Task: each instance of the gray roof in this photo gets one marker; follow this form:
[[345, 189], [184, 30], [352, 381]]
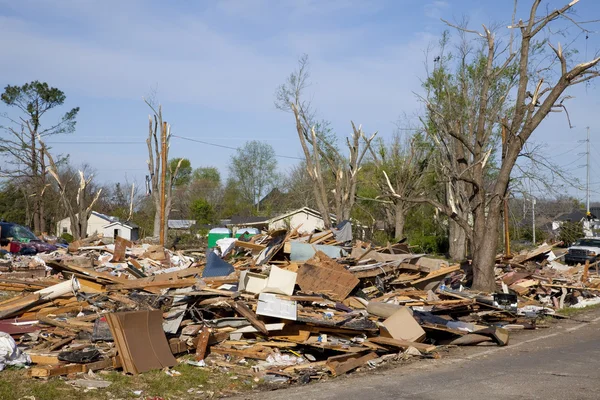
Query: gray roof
[[181, 223]]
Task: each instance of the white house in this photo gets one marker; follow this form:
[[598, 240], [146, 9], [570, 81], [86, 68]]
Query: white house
[[305, 219], [126, 230], [96, 224]]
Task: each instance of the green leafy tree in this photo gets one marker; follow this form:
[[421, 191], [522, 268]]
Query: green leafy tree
[[203, 212], [254, 168], [21, 146], [182, 169]]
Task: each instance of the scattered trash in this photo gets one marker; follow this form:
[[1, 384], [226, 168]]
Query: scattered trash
[[283, 307]]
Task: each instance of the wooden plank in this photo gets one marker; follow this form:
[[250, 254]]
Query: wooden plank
[[112, 362], [17, 304], [72, 327], [245, 312], [121, 245], [249, 245], [202, 343], [437, 274], [256, 352], [145, 283], [88, 286], [402, 344], [50, 371], [339, 365], [44, 359], [178, 346]]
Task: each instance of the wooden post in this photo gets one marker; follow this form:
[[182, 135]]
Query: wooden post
[[507, 254], [506, 232], [163, 178]]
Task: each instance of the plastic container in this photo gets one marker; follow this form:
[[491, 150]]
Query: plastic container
[[216, 234], [249, 232]]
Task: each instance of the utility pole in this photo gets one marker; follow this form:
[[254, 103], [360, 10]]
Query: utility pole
[[533, 217], [163, 178], [587, 180]]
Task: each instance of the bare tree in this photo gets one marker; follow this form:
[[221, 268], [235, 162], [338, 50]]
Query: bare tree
[[80, 212], [405, 162], [320, 153], [158, 150], [467, 114]]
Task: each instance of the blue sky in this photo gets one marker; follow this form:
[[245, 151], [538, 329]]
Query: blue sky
[[216, 64]]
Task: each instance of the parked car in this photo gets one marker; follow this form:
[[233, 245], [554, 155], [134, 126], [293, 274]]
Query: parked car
[[587, 249], [22, 240]]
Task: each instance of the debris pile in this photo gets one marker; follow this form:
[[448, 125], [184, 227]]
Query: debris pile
[[281, 307]]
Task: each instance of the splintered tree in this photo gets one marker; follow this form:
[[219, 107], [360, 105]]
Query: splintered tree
[[80, 211], [320, 153], [405, 162], [25, 157], [488, 90], [162, 174]]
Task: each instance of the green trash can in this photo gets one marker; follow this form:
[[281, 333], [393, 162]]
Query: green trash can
[[216, 234], [249, 232]]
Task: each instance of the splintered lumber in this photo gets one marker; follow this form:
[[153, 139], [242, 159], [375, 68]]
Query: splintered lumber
[[145, 283], [17, 304], [254, 352], [44, 359], [202, 343], [440, 273], [249, 245], [335, 282], [121, 245], [245, 312], [339, 365], [48, 371], [402, 344], [69, 326]]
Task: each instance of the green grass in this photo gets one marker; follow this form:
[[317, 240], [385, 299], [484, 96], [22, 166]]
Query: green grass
[[193, 383], [570, 311]]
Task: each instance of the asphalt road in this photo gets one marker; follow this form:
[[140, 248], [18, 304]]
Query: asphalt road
[[562, 362]]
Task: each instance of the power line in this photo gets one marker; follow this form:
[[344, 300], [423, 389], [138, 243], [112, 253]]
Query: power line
[[175, 136], [229, 147]]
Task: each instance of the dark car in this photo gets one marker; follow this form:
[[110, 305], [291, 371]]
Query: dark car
[[22, 240]]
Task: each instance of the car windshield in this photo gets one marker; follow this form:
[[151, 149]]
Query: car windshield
[[588, 242], [19, 233]]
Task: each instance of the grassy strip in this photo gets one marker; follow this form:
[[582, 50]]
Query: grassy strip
[[193, 383]]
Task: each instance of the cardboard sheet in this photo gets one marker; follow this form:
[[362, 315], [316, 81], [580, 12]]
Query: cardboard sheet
[[280, 281], [252, 282], [140, 340], [402, 325]]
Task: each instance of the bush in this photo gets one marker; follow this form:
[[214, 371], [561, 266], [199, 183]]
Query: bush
[[67, 237]]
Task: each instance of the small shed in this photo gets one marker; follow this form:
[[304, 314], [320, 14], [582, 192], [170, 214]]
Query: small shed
[[305, 219], [126, 230], [96, 223]]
